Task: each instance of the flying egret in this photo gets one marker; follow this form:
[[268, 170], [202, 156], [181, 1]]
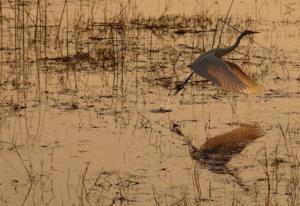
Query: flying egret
[[223, 73]]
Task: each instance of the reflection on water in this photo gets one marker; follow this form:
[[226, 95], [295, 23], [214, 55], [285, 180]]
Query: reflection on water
[[85, 115], [217, 151]]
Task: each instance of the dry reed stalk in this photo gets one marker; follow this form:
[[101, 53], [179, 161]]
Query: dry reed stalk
[[294, 182], [197, 184], [1, 46]]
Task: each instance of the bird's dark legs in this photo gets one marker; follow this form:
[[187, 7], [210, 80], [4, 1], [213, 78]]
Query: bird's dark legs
[[180, 86]]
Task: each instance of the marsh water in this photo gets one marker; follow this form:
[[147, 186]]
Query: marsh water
[[86, 112]]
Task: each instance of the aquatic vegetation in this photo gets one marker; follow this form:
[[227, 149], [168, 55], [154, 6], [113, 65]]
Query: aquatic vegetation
[[86, 117]]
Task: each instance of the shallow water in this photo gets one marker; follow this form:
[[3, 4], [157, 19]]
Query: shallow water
[[100, 131]]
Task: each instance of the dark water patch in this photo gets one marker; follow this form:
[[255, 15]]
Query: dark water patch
[[271, 93], [161, 110], [164, 82], [175, 127]]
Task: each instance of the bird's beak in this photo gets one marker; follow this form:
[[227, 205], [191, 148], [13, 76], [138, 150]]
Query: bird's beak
[[255, 32]]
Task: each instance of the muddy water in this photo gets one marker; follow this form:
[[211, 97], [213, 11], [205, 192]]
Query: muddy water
[[101, 131]]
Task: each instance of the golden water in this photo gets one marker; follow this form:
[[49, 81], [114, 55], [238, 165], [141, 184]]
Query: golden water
[[80, 133]]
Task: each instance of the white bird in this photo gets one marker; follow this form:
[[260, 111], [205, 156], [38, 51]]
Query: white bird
[[223, 73]]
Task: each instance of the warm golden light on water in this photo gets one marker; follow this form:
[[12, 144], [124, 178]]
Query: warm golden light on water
[[86, 117]]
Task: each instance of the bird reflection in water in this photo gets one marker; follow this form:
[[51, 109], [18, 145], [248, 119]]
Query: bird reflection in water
[[217, 151]]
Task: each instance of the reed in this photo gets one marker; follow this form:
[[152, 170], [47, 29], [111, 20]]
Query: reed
[[112, 71]]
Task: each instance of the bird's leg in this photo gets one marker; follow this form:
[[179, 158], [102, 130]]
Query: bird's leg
[[180, 86]]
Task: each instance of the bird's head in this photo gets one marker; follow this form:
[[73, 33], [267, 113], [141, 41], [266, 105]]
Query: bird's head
[[248, 32]]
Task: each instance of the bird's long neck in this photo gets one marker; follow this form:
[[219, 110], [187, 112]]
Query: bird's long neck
[[222, 51]]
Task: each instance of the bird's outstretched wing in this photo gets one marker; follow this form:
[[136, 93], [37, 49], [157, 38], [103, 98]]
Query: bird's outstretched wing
[[227, 75], [251, 86]]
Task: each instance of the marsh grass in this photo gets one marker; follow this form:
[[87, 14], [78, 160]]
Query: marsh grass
[[39, 185], [50, 57], [109, 45]]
